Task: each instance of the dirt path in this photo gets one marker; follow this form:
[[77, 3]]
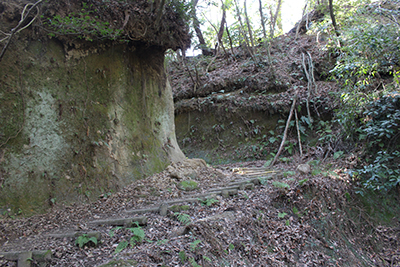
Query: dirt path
[[246, 217]]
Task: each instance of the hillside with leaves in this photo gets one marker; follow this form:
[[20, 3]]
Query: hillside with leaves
[[346, 84], [341, 86]]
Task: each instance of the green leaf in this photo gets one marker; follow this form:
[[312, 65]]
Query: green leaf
[[93, 239], [121, 246], [282, 214], [301, 182]]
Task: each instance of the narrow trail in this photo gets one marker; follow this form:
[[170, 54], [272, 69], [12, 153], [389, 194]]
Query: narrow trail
[[245, 179]]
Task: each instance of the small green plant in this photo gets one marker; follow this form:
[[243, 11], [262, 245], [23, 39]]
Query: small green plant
[[337, 154], [280, 185], [85, 240], [295, 210], [194, 244], [84, 24], [209, 202], [206, 258], [121, 246], [137, 236], [288, 173], [287, 222], [315, 172], [183, 218], [188, 185], [301, 182], [282, 214]]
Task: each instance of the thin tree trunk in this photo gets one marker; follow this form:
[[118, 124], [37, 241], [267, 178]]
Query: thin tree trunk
[[333, 18], [275, 18], [302, 17], [221, 30], [248, 25], [262, 20], [230, 40], [241, 29], [196, 25]]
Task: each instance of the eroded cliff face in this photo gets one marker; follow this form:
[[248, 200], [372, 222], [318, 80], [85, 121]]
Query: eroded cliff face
[[79, 122]]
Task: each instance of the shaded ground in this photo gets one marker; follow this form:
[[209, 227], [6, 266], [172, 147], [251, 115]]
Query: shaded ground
[[291, 220]]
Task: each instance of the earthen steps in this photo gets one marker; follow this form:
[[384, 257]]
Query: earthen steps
[[253, 176]]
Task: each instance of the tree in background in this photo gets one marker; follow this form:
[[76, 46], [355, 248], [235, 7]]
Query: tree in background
[[196, 25], [276, 19]]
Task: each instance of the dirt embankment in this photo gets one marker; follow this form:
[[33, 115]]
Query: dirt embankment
[[231, 111], [85, 105]]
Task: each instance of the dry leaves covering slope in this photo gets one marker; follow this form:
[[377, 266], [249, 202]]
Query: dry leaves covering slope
[[291, 220]]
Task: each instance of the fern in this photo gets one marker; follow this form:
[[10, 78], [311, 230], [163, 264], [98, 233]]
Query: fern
[[194, 244], [183, 218], [209, 201], [138, 235]]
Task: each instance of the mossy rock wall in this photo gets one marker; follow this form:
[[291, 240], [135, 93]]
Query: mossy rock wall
[[75, 123]]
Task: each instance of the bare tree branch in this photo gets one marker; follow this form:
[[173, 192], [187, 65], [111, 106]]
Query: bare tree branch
[[20, 23]]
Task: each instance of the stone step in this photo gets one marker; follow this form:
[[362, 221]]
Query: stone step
[[95, 234], [226, 191], [145, 210], [219, 189], [24, 258], [168, 204], [127, 222]]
